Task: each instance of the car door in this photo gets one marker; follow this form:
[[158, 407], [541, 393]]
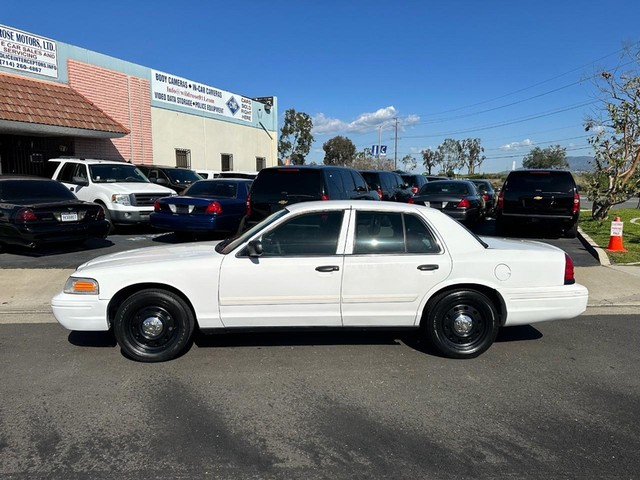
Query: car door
[[74, 176], [392, 260], [295, 282]]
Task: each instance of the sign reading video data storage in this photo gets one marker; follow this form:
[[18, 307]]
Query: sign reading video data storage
[[179, 91], [28, 53]]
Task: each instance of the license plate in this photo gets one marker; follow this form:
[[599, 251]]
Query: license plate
[[69, 217]]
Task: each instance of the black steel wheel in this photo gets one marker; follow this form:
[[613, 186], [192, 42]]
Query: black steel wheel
[[153, 325], [461, 323]]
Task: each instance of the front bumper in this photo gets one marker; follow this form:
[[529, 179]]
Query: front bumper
[[80, 312], [130, 216]]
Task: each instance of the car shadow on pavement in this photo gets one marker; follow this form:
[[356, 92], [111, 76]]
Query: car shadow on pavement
[[518, 333], [92, 339], [289, 338], [59, 248]]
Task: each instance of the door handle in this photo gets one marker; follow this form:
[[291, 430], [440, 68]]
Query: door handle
[[427, 268], [328, 268]]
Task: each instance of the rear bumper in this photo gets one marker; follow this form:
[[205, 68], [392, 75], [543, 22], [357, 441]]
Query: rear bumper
[[533, 305], [32, 235], [184, 223]]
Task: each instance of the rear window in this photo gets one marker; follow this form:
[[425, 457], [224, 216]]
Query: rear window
[[180, 175], [445, 187], [290, 181], [33, 191], [213, 188], [371, 178], [543, 181]]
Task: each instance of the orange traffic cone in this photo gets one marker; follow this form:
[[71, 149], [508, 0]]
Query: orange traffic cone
[[615, 238]]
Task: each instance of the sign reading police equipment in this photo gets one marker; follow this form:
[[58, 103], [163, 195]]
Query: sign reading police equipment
[[27, 53], [179, 91]]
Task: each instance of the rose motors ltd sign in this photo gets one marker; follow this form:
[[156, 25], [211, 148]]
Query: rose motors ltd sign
[[28, 53]]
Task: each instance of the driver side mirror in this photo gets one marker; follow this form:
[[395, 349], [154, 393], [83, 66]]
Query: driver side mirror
[[161, 181], [254, 248], [80, 181]]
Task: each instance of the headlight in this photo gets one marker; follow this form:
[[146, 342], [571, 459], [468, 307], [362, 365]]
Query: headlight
[[122, 199], [81, 286]]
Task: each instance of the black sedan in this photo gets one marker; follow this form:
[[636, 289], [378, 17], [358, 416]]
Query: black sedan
[[37, 211], [457, 198], [207, 206]]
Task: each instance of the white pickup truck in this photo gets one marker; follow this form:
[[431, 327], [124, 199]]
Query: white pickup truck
[[126, 195]]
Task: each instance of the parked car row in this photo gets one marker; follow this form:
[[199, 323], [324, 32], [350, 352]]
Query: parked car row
[[127, 194]]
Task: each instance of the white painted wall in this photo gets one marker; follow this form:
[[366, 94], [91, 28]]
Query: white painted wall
[[207, 139]]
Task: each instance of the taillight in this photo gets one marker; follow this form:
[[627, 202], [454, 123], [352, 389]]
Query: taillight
[[576, 203], [464, 203], [500, 204], [248, 209], [380, 194], [214, 207], [568, 270], [26, 215], [411, 200], [156, 206], [485, 196], [324, 197], [414, 189]]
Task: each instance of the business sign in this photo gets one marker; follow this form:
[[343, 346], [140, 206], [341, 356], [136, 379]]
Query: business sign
[[28, 53], [374, 150], [194, 96]]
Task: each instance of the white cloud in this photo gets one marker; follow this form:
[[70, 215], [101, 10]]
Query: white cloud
[[517, 145], [365, 122]]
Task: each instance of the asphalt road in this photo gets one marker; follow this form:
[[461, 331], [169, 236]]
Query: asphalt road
[[138, 237], [556, 401]]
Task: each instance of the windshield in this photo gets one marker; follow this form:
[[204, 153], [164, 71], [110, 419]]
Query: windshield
[[182, 175], [110, 173], [230, 244]]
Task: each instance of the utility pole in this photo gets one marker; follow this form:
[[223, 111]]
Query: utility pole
[[395, 148], [379, 142]]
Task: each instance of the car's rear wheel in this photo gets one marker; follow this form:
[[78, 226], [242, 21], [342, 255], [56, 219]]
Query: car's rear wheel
[[572, 232], [153, 325], [461, 323]]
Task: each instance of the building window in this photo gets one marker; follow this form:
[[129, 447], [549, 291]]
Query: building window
[[227, 162], [261, 162], [183, 158]]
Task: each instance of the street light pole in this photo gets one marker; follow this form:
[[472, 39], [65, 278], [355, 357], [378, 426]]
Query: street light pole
[[379, 142], [395, 148]]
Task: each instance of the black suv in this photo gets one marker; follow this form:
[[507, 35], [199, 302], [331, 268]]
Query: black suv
[[176, 178], [547, 198], [389, 185], [414, 180], [276, 187]]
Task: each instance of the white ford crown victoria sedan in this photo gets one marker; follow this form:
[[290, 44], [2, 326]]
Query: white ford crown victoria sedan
[[336, 264]]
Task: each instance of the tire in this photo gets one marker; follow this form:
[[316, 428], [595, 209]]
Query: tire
[[461, 324], [153, 325], [572, 232], [107, 217]]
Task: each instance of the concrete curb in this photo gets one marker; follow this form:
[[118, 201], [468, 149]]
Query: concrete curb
[[593, 248]]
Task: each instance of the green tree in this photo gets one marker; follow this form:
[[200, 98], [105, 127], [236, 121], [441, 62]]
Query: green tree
[[616, 140], [339, 151], [409, 163], [472, 154], [554, 156], [452, 156], [431, 159], [295, 137]]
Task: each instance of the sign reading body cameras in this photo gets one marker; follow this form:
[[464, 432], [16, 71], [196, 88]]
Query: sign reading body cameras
[[174, 90], [27, 53]]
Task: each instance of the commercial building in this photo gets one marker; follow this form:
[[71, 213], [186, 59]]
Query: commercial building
[[61, 100]]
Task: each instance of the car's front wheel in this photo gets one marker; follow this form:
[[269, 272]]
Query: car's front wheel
[[153, 325], [461, 323]]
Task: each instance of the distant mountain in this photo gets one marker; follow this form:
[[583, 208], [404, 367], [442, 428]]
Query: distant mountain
[[580, 164]]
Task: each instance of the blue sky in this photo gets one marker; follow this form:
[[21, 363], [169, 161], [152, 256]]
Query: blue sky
[[515, 74]]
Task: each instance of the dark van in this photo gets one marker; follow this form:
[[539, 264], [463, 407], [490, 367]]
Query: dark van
[[539, 198], [276, 187]]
